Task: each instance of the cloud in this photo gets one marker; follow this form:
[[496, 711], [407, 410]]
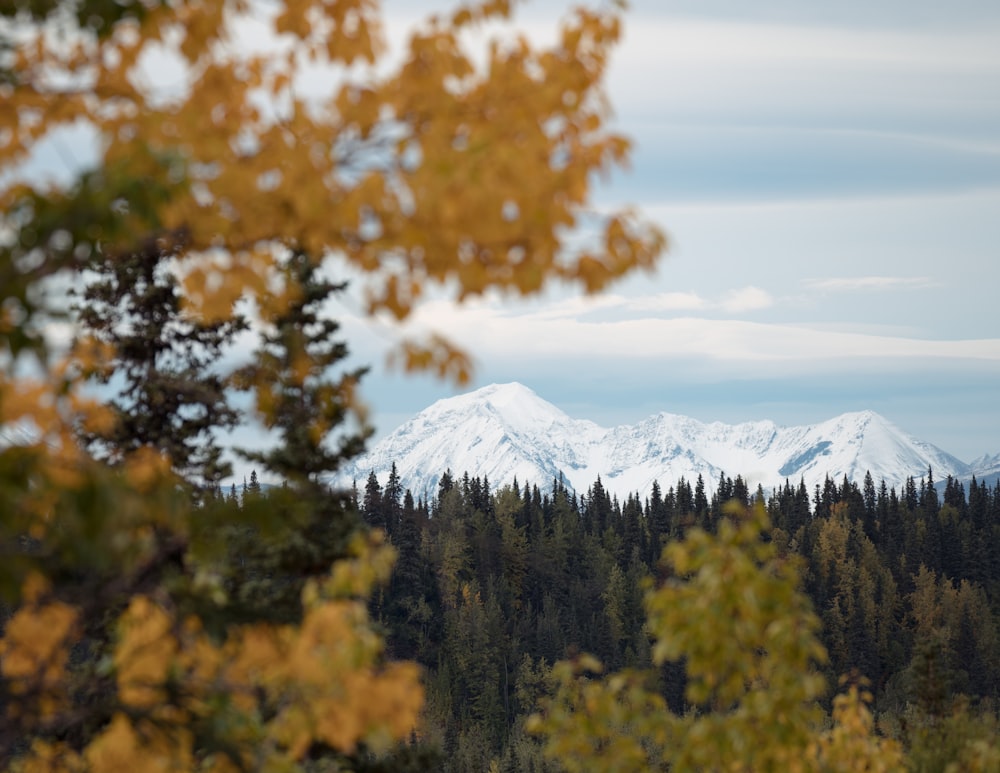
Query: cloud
[[849, 284], [673, 301], [492, 333], [732, 302], [746, 299], [891, 15]]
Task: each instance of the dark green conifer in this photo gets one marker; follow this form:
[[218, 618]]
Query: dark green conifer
[[169, 394], [298, 397]]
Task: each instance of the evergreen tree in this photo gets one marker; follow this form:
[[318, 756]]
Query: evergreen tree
[[445, 484], [598, 510], [701, 509], [685, 505], [168, 395], [408, 614], [740, 493], [392, 496], [295, 395], [371, 506], [633, 534], [871, 505]]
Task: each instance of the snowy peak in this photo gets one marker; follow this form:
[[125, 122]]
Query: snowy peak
[[513, 405], [987, 462], [506, 431], [986, 469], [501, 431], [855, 443]]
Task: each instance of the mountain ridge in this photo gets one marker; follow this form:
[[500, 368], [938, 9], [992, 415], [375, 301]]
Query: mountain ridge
[[506, 431]]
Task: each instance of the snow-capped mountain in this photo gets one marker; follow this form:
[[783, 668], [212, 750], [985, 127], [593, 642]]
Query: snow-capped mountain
[[986, 469], [506, 431]]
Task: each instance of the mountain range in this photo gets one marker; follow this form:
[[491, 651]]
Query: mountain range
[[505, 432]]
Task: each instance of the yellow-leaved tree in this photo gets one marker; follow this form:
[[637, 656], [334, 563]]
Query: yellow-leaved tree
[[245, 150]]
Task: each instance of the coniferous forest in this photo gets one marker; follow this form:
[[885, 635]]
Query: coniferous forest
[[492, 587]]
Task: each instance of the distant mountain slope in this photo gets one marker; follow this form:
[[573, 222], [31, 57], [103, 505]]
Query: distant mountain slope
[[504, 431], [986, 469]]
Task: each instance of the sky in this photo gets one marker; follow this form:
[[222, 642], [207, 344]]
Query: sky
[[829, 179], [828, 175]]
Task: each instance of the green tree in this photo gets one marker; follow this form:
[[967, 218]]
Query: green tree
[[169, 394], [409, 614], [371, 504], [513, 543], [294, 394]]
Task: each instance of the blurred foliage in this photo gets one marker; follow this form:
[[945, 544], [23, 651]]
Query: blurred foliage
[[151, 622]]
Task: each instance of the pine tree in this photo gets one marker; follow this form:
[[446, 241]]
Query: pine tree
[[408, 615], [871, 505]]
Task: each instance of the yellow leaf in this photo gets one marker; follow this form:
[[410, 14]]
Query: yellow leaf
[[144, 654]]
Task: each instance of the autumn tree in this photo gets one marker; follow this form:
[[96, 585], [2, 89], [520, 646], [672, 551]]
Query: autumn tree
[[434, 169], [198, 640], [386, 171]]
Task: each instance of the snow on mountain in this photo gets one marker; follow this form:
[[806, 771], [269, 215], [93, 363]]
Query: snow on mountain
[[501, 432], [985, 469], [986, 463], [504, 431]]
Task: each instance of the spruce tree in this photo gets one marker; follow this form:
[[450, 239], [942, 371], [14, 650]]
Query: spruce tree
[[306, 525], [371, 505], [391, 502], [168, 394], [295, 395]]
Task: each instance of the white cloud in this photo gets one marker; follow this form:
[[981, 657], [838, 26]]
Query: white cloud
[[710, 42], [565, 308], [492, 332], [746, 299], [671, 301], [735, 301], [849, 283]]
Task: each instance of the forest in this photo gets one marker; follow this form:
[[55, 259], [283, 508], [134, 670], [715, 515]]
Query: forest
[[493, 587]]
